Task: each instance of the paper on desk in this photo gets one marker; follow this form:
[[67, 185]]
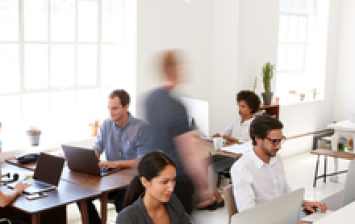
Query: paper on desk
[[238, 148]]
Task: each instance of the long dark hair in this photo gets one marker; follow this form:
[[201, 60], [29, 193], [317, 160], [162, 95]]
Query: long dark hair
[[149, 167]]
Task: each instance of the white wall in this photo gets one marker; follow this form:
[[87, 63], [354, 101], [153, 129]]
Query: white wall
[[344, 101], [224, 71], [226, 43], [175, 24]]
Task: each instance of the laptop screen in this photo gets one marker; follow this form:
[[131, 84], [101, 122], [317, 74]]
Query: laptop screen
[[49, 169]]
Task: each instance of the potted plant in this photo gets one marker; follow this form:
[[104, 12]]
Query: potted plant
[[94, 127], [33, 134], [267, 74], [255, 83], [314, 92]]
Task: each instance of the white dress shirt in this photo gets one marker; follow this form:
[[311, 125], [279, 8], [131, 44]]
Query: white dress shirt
[[255, 182], [238, 130]]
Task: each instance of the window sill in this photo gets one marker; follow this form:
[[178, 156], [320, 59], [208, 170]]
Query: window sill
[[300, 102], [12, 151]]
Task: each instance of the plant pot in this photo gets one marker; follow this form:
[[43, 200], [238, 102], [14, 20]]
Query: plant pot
[[93, 129], [33, 136], [267, 98]]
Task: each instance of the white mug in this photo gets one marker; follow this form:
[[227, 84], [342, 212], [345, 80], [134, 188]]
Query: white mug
[[218, 142]]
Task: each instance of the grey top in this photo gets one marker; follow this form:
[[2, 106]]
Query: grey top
[[122, 143], [167, 119], [137, 213]]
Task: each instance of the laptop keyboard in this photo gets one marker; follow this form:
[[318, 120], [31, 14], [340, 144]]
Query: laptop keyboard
[[39, 185]]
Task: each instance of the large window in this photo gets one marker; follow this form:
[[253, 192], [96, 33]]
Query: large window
[[301, 50], [59, 59]]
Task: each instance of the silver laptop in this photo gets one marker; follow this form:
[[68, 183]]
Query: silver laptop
[[287, 208], [84, 160], [347, 198], [47, 174], [349, 188]]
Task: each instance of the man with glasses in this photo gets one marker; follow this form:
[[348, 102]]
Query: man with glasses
[[259, 175]]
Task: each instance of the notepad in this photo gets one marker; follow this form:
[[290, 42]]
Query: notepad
[[238, 148]]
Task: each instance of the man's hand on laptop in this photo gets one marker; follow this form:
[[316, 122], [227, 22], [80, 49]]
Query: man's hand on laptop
[[21, 186], [108, 165], [313, 205]]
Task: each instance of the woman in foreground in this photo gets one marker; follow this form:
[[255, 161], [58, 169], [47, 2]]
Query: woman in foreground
[[149, 198]]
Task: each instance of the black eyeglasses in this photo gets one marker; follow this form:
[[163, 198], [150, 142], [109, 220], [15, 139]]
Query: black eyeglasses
[[275, 142]]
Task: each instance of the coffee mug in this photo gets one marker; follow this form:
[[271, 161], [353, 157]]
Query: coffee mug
[[218, 142]]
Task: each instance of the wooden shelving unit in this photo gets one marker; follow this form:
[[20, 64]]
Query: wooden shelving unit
[[271, 109]]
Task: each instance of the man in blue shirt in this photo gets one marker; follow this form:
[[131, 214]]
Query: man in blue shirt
[[122, 137]]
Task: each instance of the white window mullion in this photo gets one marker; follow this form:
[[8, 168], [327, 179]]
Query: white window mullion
[[21, 46], [99, 43]]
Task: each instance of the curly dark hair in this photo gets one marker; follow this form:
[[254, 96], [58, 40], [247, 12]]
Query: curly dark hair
[[251, 99]]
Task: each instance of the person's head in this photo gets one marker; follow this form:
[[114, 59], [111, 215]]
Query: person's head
[[118, 104], [248, 102], [266, 134], [156, 178], [170, 66]]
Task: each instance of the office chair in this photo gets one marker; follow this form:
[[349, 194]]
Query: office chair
[[232, 207]]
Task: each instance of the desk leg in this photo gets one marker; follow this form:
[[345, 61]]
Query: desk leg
[[84, 211], [36, 218], [103, 198], [335, 141]]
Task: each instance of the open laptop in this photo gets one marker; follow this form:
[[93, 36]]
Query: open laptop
[[47, 174], [349, 188], [281, 210], [347, 198], [84, 160]]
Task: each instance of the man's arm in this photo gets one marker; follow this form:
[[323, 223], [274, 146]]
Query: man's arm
[[121, 163], [189, 148], [7, 198], [228, 130], [98, 146]]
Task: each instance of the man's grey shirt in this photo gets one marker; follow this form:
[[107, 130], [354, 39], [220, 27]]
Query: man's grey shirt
[[122, 143]]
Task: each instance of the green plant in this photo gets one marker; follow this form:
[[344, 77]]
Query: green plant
[[255, 84], [267, 74]]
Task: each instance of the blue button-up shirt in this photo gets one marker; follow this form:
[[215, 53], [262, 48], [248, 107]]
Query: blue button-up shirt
[[122, 143]]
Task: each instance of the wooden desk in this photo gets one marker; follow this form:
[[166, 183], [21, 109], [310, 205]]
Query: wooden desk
[[104, 185], [342, 128], [29, 166], [208, 147], [329, 153], [345, 215], [272, 110], [55, 203]]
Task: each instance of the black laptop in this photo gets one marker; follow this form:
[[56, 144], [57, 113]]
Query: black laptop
[[84, 160], [47, 174]]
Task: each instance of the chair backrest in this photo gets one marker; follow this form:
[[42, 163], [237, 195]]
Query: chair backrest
[[232, 207]]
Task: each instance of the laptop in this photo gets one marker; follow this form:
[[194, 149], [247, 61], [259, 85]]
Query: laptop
[[349, 188], [46, 176], [287, 208], [347, 198], [84, 160]]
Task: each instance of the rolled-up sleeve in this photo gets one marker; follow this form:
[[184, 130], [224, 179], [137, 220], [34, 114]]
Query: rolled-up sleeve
[[228, 130], [99, 143], [141, 142], [243, 192]]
